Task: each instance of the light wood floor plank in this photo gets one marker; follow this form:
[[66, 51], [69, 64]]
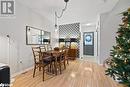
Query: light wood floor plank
[[78, 73]]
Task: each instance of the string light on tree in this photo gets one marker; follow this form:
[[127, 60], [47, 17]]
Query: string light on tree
[[125, 61], [128, 41], [129, 50], [115, 56]]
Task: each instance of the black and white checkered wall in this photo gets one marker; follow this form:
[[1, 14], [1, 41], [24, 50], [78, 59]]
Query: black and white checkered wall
[[71, 31]]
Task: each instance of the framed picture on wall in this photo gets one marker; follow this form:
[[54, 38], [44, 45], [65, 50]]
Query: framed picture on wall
[[88, 38]]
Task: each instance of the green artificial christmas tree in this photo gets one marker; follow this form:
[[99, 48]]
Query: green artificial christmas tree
[[120, 63]]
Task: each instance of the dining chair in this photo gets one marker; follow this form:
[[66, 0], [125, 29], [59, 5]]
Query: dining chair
[[65, 50], [61, 60], [40, 61], [56, 49], [66, 55], [43, 48], [55, 57]]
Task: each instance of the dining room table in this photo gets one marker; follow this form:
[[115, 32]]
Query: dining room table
[[55, 54]]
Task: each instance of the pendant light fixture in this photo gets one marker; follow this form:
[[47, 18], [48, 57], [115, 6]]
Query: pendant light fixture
[[61, 14]]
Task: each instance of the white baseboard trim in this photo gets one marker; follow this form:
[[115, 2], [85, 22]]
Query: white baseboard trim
[[18, 73]]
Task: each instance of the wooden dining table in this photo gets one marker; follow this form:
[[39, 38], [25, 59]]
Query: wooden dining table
[[55, 55]]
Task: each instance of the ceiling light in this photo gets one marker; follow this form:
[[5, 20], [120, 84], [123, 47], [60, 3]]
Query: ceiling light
[[66, 0], [88, 24]]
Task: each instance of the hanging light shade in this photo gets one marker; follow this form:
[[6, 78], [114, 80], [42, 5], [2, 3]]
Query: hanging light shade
[[66, 0]]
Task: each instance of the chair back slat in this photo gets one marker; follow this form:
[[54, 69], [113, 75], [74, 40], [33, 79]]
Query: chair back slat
[[36, 54], [43, 48]]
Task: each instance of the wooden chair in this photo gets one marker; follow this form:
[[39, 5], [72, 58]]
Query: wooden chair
[[56, 49], [43, 48], [55, 57], [65, 50], [66, 55], [61, 60], [40, 60]]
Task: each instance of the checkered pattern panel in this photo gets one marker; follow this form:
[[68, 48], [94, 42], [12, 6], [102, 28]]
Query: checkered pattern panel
[[71, 31]]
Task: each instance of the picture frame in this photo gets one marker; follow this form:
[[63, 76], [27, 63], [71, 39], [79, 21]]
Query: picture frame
[[36, 36]]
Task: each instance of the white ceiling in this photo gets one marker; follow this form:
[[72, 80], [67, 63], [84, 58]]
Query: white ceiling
[[83, 11]]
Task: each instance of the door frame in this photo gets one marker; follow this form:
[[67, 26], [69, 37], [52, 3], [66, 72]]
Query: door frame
[[95, 43], [88, 45]]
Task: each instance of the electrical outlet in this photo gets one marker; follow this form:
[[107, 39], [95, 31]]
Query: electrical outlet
[[81, 57]]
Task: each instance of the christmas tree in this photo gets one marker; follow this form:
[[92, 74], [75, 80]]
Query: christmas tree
[[120, 62]]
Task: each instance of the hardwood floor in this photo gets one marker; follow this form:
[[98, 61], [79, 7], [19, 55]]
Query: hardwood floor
[[77, 74]]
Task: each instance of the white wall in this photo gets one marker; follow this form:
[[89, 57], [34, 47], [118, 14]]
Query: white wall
[[16, 49], [109, 24]]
